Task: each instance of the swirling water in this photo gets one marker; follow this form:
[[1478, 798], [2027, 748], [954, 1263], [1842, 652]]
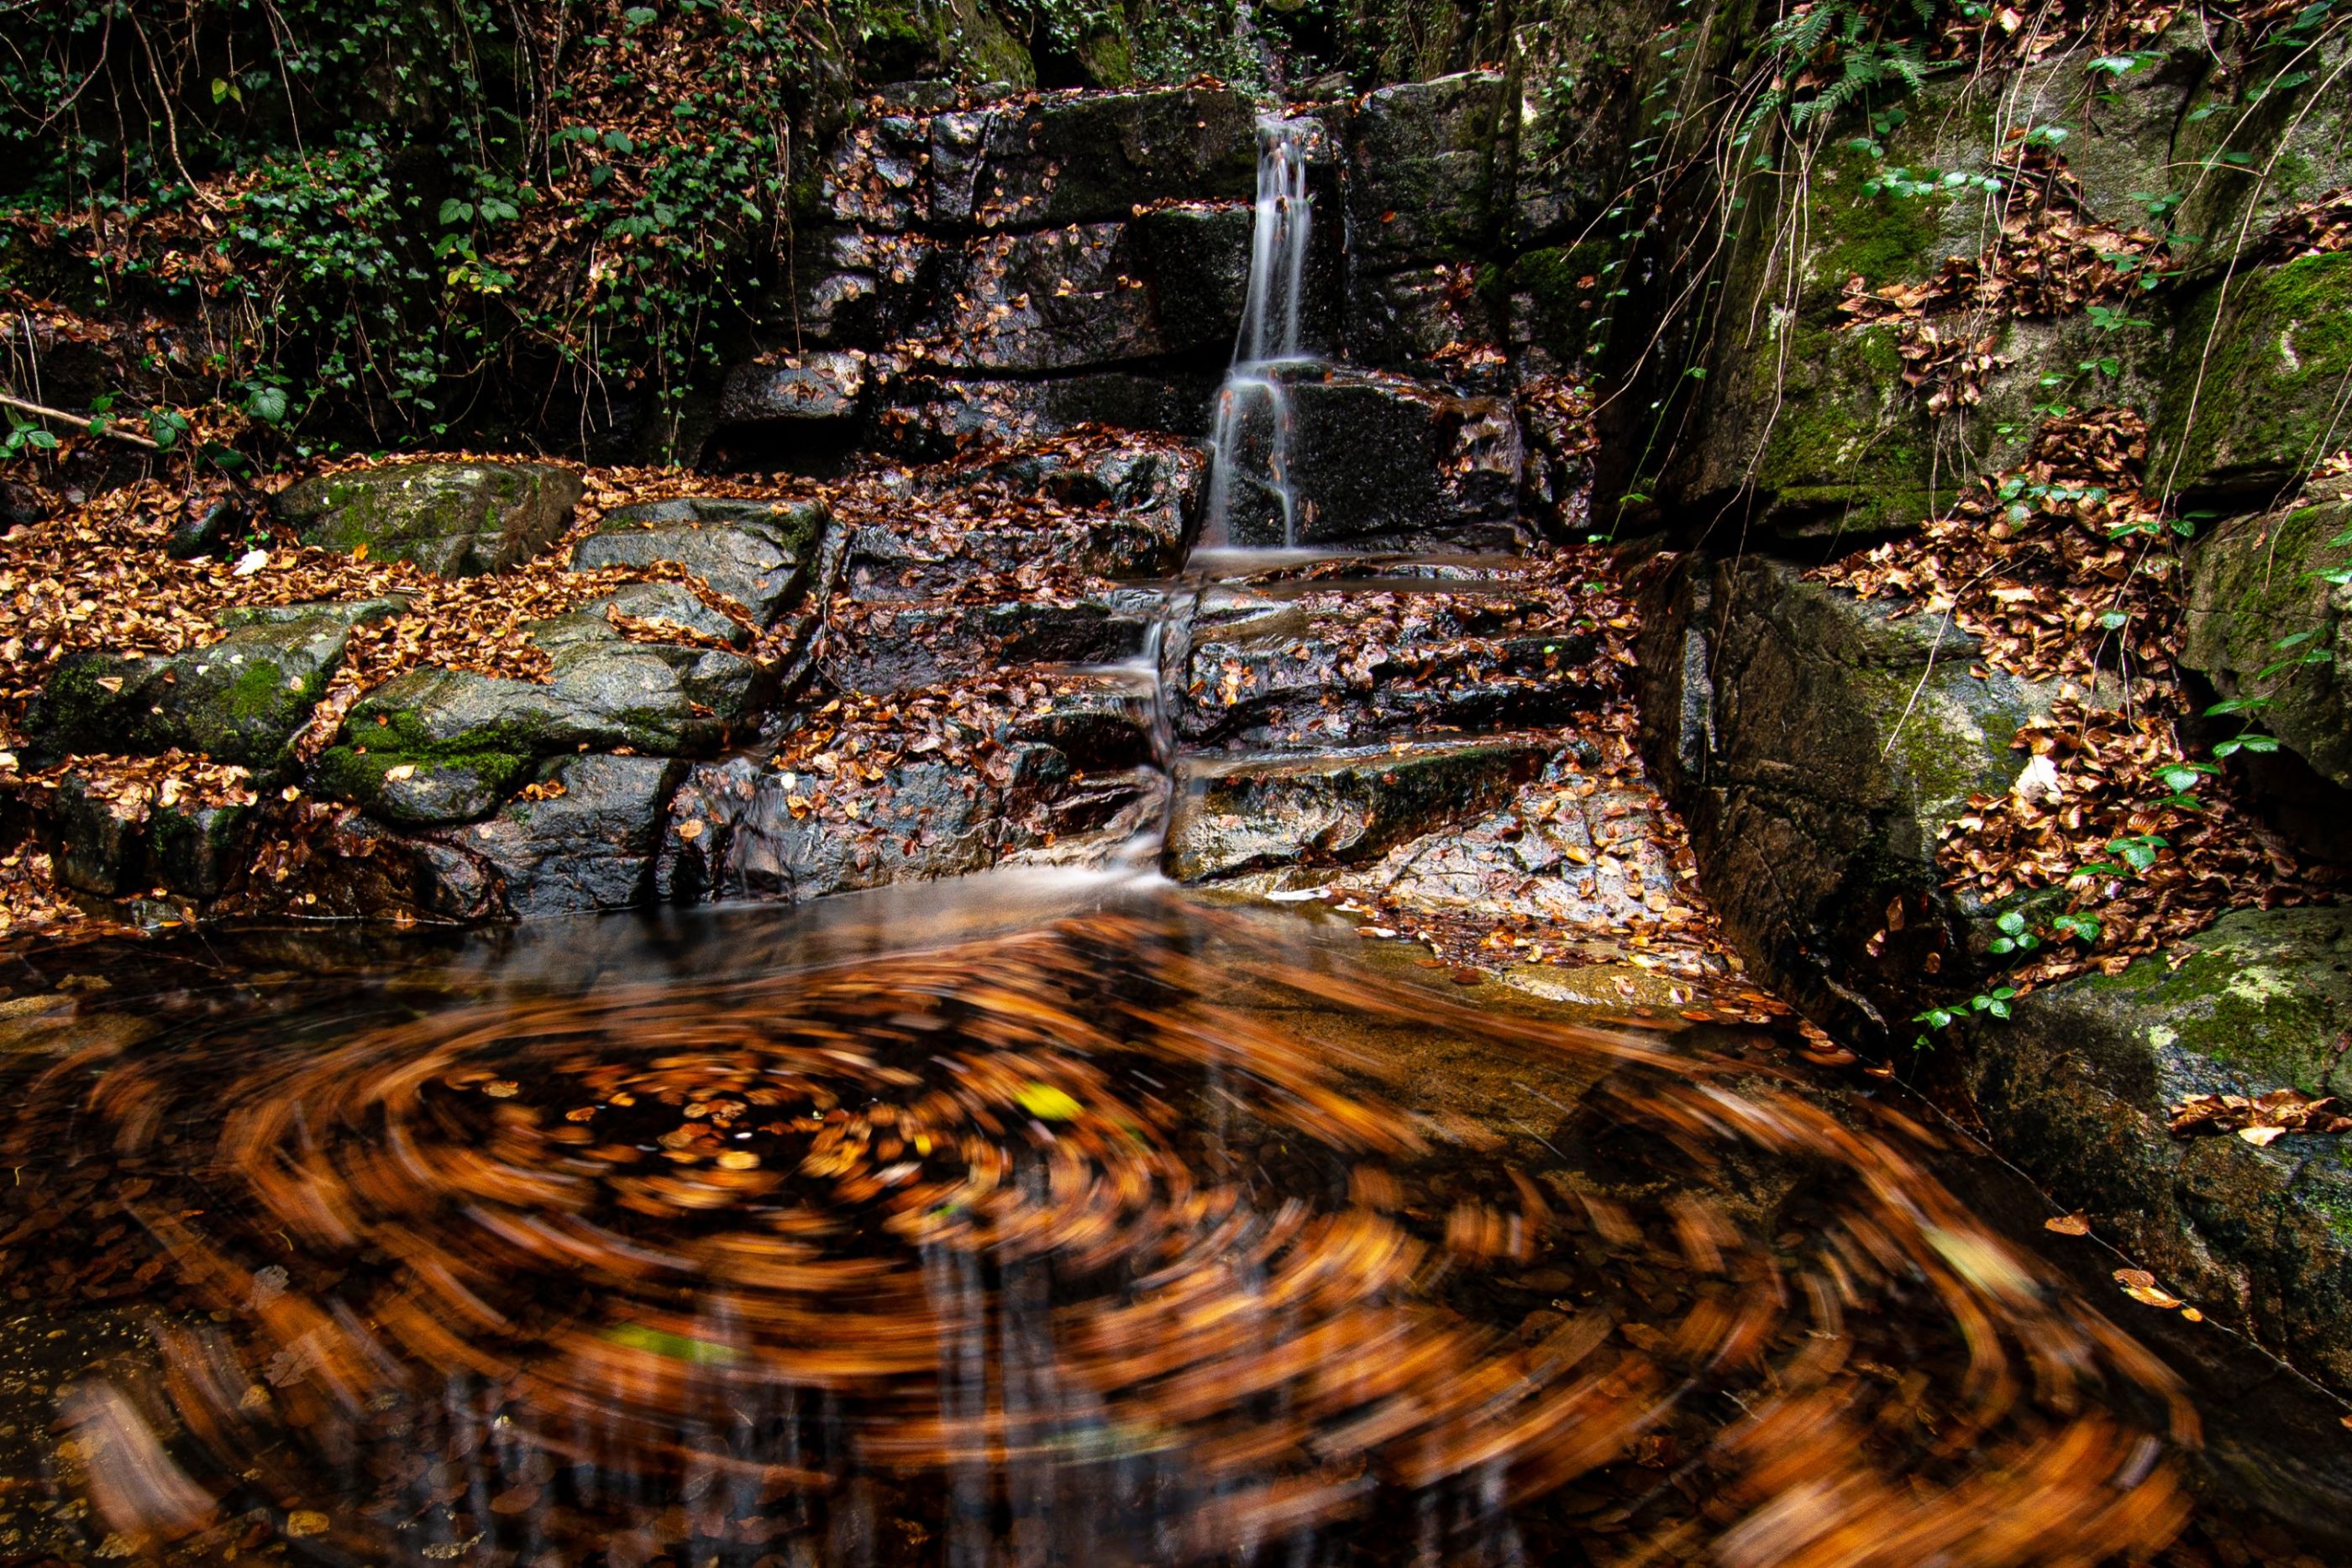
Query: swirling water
[[1024, 1220]]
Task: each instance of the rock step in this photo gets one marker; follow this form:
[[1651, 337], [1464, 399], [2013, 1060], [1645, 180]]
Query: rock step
[[1234, 814], [1317, 660]]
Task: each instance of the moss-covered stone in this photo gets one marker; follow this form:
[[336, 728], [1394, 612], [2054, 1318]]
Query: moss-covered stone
[[436, 785], [1817, 746], [455, 520], [241, 700], [1429, 167], [2258, 365], [2254, 583], [2078, 1082]]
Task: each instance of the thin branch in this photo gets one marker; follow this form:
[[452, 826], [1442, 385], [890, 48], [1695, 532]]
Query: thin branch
[[78, 420]]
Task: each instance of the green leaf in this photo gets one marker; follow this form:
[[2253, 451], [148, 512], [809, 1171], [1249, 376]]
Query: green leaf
[[676, 1347], [2012, 921], [267, 404]]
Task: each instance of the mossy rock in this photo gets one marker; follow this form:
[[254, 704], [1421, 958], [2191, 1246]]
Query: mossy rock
[[420, 790], [2076, 1087], [241, 700], [1818, 746], [2255, 583], [2258, 366], [453, 519]]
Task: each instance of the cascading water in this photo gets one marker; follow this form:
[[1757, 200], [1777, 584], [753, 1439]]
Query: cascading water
[[1253, 416]]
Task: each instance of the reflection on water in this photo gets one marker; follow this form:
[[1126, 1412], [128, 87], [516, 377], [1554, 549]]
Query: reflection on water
[[1027, 1223]]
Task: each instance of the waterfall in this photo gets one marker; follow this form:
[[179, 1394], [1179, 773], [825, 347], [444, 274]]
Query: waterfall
[[1252, 414]]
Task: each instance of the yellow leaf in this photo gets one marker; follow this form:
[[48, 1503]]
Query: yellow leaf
[[359, 551], [1047, 1103], [404, 770], [307, 1521]]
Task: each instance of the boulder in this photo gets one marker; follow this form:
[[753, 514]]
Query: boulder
[[2255, 583], [453, 519], [2251, 393], [588, 844], [189, 847], [1816, 746], [1198, 256], [242, 699], [1373, 459], [1429, 171], [1404, 319], [604, 693], [752, 552], [2079, 1081], [1083, 160], [1245, 813]]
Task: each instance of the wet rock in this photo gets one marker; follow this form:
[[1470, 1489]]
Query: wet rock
[[1084, 160], [241, 700], [2255, 581], [453, 519], [936, 416], [1198, 255], [886, 647], [1373, 458], [1293, 664], [187, 847], [1405, 320], [672, 605], [2078, 1081], [751, 551], [1428, 170], [467, 783], [343, 612], [738, 830], [2251, 393], [1816, 746], [815, 387], [1117, 511], [1239, 814], [589, 845], [1058, 300]]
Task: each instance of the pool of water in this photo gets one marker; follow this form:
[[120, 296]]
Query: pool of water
[[1031, 1219]]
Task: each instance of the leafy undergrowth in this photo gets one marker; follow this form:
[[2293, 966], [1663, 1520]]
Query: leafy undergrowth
[[2065, 571]]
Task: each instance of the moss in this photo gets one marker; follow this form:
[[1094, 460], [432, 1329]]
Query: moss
[[2269, 380], [2263, 996], [1882, 238]]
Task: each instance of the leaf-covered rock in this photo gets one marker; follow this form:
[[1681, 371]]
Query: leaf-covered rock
[[452, 519]]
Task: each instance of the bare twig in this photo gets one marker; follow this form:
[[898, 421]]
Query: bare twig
[[78, 420]]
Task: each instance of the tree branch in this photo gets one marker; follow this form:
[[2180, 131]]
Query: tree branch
[[78, 420]]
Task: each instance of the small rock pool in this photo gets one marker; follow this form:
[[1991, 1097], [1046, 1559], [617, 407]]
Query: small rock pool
[[1040, 1218]]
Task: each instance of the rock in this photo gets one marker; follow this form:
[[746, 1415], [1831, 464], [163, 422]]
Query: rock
[[605, 693], [1118, 511], [241, 700], [1239, 814], [1404, 319], [815, 387], [2250, 393], [734, 831], [935, 416], [2079, 1079], [889, 647], [1816, 746], [187, 847], [1083, 160], [1372, 459], [343, 612], [1428, 170], [453, 519], [752, 552], [216, 526], [426, 792], [2255, 581], [675, 604], [1198, 259], [1282, 663], [1058, 300], [591, 847]]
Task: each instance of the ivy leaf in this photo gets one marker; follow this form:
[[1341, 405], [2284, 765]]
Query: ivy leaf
[[267, 404]]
